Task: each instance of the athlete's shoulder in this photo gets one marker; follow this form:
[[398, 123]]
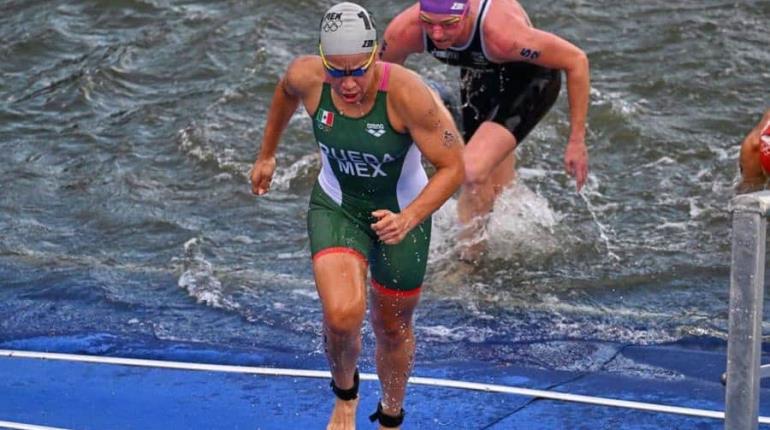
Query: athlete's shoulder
[[505, 21], [505, 28], [509, 12], [408, 93], [305, 72], [403, 80], [412, 104], [403, 36], [405, 27], [310, 64], [405, 20]]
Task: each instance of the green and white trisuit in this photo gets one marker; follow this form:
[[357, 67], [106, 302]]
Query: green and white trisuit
[[367, 165]]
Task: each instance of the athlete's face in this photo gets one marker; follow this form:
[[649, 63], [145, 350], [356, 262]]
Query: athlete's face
[[350, 75], [444, 30]]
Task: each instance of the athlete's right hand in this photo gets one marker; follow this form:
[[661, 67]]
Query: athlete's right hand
[[391, 227], [262, 175], [576, 161]]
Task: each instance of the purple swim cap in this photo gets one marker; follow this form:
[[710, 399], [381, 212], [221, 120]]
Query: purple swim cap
[[444, 7]]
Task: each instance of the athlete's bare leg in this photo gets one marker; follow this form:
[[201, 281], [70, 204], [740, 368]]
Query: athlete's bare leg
[[340, 280], [489, 168], [392, 324]]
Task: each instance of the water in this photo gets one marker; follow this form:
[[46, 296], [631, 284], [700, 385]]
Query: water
[[128, 129]]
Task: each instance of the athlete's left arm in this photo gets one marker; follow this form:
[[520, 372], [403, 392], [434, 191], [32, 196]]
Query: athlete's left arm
[[413, 106], [525, 43]]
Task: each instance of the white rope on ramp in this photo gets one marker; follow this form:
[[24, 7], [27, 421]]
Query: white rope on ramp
[[445, 383], [21, 426]]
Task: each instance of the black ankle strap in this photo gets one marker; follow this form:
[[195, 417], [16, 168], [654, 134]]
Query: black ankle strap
[[387, 420], [348, 394]]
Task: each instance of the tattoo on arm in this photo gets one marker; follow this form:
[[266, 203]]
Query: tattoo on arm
[[384, 47], [449, 138], [529, 53]]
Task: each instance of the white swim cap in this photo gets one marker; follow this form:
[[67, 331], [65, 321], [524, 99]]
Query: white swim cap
[[346, 29]]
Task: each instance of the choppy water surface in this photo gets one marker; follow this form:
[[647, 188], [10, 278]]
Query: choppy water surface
[[128, 128]]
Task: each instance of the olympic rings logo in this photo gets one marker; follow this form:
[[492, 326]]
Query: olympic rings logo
[[331, 26], [332, 22]]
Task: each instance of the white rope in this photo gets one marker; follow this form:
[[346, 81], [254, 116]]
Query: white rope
[[20, 426], [447, 383]]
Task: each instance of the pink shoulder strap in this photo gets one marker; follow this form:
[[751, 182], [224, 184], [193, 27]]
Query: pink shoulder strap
[[385, 76]]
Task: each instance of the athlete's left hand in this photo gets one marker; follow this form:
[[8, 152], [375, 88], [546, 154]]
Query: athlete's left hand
[[576, 160], [390, 227]]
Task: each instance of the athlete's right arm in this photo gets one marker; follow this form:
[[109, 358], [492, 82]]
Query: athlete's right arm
[[290, 91], [402, 37]]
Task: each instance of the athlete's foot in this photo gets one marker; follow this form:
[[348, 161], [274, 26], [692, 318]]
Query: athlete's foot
[[344, 415]]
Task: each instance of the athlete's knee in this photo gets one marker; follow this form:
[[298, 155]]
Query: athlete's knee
[[344, 318], [480, 188], [475, 174], [393, 332], [391, 318]]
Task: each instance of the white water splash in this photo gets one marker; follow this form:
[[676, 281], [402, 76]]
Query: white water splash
[[522, 225], [603, 229], [618, 101], [300, 168], [200, 281]]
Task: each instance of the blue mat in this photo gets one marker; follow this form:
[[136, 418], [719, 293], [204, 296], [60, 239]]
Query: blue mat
[[77, 395]]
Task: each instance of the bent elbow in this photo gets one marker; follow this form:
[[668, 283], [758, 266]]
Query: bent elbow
[[459, 175], [581, 63]]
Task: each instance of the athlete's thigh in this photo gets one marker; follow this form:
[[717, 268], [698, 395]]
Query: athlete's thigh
[[339, 250], [340, 279], [400, 269], [487, 148]]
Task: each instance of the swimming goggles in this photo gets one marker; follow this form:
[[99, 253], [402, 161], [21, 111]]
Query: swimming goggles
[[340, 73], [444, 23]]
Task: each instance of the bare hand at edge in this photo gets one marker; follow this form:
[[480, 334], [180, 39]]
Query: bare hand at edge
[[262, 175], [576, 161]]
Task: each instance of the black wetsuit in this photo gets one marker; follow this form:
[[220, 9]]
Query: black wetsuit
[[516, 95]]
